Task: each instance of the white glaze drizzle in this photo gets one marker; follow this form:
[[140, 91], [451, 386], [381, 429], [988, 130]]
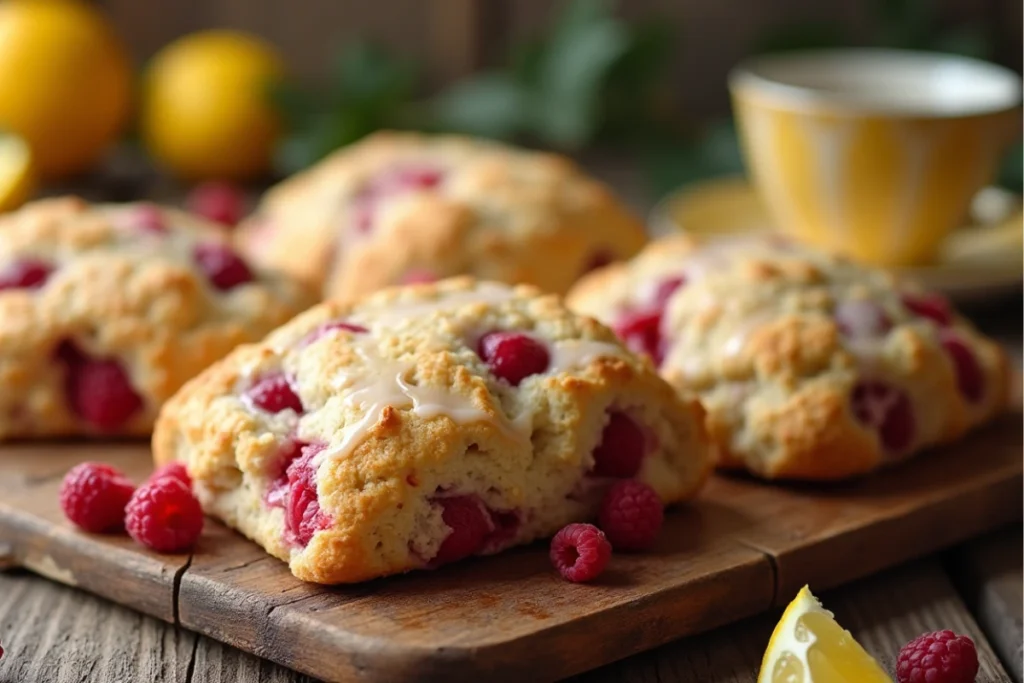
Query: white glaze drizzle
[[396, 311], [574, 354]]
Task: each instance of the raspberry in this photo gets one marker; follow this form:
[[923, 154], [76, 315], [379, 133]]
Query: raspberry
[[580, 552], [970, 378], [417, 276], [98, 389], [327, 328], [931, 306], [174, 470], [147, 218], [513, 356], [303, 516], [164, 516], [940, 657], [640, 331], [273, 394], [389, 183], [222, 266], [887, 410], [94, 495], [218, 202], [25, 274], [862, 319], [622, 448], [666, 288], [470, 524], [631, 515]]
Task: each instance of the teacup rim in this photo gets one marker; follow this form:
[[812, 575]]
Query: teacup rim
[[745, 76]]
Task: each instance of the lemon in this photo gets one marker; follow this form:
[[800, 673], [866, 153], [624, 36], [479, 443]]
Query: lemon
[[65, 82], [718, 206], [205, 110], [17, 172], [808, 646]]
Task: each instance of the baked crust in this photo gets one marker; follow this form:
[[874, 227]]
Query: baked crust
[[464, 207], [123, 293], [405, 415]]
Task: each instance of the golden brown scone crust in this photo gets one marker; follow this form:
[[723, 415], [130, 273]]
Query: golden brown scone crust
[[118, 292], [784, 345], [405, 415], [497, 213]]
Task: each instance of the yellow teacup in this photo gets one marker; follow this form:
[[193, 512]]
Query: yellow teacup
[[874, 153]]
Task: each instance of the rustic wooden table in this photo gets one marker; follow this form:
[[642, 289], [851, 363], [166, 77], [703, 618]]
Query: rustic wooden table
[[55, 634]]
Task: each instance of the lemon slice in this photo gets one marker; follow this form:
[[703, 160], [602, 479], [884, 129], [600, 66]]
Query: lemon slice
[[17, 172], [808, 646], [719, 206]]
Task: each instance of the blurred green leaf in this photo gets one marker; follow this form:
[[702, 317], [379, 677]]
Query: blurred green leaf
[[492, 105], [365, 74], [715, 152], [969, 40]]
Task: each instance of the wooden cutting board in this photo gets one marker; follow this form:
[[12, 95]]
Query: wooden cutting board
[[741, 548]]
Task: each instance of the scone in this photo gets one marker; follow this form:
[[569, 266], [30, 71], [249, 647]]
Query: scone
[[809, 366], [106, 310], [425, 424], [398, 208]]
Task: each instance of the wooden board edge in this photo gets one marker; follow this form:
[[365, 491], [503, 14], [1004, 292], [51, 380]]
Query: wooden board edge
[[64, 555], [835, 560]]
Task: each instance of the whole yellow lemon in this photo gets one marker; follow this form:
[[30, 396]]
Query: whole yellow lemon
[[65, 81], [206, 112]]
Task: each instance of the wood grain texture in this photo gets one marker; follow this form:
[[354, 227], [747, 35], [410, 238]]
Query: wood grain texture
[[882, 612], [987, 572], [728, 555], [830, 535]]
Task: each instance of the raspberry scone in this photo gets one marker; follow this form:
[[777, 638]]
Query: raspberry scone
[[809, 366], [106, 310], [425, 424], [398, 208]]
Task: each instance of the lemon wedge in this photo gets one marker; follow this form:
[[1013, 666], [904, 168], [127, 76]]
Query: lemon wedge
[[17, 172], [808, 646], [718, 206]]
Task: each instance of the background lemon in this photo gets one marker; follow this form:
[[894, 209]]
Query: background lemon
[[206, 113], [65, 81]]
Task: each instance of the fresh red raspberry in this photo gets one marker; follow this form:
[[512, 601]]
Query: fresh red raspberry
[[98, 389], [218, 202], [862, 319], [288, 453], [887, 410], [970, 378], [513, 356], [631, 515], [640, 331], [94, 495], [666, 288], [25, 274], [303, 516], [273, 394], [940, 657], [222, 266], [931, 306], [164, 516], [580, 552], [174, 470], [622, 448], [327, 328], [470, 524], [147, 218]]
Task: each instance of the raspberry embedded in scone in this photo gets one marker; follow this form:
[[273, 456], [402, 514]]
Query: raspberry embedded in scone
[[809, 366], [106, 310], [423, 425], [404, 208]]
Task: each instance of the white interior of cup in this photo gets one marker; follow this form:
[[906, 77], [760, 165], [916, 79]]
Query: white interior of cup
[[884, 81]]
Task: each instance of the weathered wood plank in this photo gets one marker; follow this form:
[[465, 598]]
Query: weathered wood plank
[[988, 574], [883, 613]]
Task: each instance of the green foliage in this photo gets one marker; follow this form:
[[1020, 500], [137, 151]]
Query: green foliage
[[590, 73], [369, 90]]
